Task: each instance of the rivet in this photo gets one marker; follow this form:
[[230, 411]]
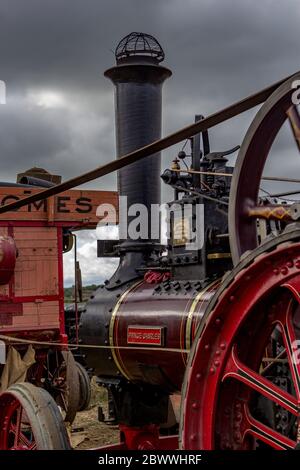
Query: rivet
[[223, 346], [195, 406], [193, 437], [284, 270], [198, 377], [218, 352], [290, 264], [297, 264], [206, 347], [217, 363], [218, 321], [276, 271], [231, 298], [212, 370]]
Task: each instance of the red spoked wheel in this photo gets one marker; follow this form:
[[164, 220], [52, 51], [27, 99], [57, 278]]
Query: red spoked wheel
[[242, 385], [30, 420]]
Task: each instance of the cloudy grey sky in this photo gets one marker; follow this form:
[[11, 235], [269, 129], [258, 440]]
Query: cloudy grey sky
[[59, 113]]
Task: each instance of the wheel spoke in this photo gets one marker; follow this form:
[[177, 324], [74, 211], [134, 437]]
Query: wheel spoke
[[28, 444], [290, 340], [239, 371], [267, 435], [33, 446], [273, 361], [64, 401], [17, 427], [294, 119], [20, 438]]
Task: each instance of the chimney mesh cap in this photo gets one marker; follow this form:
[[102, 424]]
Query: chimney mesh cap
[[139, 44]]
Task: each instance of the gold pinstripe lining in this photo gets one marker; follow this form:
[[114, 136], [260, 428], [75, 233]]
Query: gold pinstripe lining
[[189, 319], [112, 327]]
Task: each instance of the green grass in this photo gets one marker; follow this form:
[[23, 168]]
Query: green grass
[[86, 291]]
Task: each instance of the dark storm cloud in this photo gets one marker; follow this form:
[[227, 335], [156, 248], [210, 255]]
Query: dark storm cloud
[[59, 113], [218, 50]]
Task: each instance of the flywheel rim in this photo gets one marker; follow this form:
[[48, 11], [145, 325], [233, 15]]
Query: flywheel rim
[[249, 167]]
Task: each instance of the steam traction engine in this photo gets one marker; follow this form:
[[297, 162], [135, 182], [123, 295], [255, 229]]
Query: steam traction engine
[[240, 381], [154, 300], [213, 324]]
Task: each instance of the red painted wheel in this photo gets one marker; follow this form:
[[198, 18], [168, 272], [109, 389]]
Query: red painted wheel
[[30, 420], [242, 384]]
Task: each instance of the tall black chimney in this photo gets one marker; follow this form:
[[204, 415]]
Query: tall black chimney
[[138, 79]]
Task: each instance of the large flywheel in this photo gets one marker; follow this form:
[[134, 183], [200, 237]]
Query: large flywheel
[[242, 384], [244, 209]]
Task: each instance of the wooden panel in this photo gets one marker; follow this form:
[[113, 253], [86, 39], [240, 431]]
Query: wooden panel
[[36, 271], [37, 314], [70, 206], [7, 312]]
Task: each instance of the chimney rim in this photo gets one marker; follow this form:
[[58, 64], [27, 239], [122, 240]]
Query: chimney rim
[[128, 72]]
